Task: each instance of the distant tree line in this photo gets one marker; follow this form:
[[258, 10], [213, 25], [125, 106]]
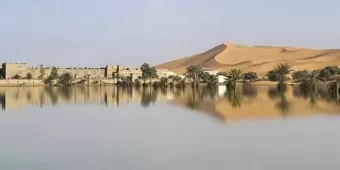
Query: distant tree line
[[195, 75]]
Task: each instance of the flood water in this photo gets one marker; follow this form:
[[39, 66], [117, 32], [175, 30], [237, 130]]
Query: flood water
[[105, 128]]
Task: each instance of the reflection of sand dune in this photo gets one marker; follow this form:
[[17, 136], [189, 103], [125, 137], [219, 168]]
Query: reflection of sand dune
[[260, 105], [258, 58]]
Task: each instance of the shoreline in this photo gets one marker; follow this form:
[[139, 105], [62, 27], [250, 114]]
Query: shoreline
[[40, 84]]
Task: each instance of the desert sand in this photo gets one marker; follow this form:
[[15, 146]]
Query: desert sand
[[259, 59]]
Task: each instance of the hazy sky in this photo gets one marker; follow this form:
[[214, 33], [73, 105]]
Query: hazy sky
[[130, 32]]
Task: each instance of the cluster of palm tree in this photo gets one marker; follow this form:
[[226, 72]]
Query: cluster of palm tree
[[309, 83], [193, 73]]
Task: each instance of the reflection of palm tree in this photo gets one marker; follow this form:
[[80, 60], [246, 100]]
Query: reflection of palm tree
[[310, 95], [328, 96], [273, 93], [42, 99], [177, 92], [249, 91], [234, 99], [3, 101], [117, 96], [66, 92], [208, 91], [164, 91], [29, 96], [312, 98], [149, 95], [283, 104], [53, 95], [105, 98], [193, 102]]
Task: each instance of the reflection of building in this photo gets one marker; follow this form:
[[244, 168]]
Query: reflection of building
[[22, 97], [21, 69], [221, 90]]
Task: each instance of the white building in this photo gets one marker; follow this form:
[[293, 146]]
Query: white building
[[221, 79], [210, 71], [165, 73]]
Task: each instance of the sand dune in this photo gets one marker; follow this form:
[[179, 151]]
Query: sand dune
[[256, 58]]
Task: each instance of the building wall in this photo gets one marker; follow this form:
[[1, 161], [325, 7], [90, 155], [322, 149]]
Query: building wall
[[12, 69], [111, 69], [134, 72]]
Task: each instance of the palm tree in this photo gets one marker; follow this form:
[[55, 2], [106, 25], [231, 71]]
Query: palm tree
[[282, 70], [232, 78], [212, 80], [193, 102], [283, 105], [193, 72], [310, 82]]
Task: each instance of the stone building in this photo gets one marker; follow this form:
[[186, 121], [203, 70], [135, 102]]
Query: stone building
[[21, 69], [11, 70]]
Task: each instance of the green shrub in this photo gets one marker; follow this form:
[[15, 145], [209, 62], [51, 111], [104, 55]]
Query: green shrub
[[300, 75], [66, 79], [29, 76], [250, 76]]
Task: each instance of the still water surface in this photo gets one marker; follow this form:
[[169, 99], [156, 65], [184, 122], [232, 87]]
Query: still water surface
[[86, 128]]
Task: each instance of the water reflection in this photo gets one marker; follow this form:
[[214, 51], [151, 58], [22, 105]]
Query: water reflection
[[149, 96], [247, 101], [193, 101], [234, 97]]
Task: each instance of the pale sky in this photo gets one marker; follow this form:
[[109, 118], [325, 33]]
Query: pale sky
[[130, 32]]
